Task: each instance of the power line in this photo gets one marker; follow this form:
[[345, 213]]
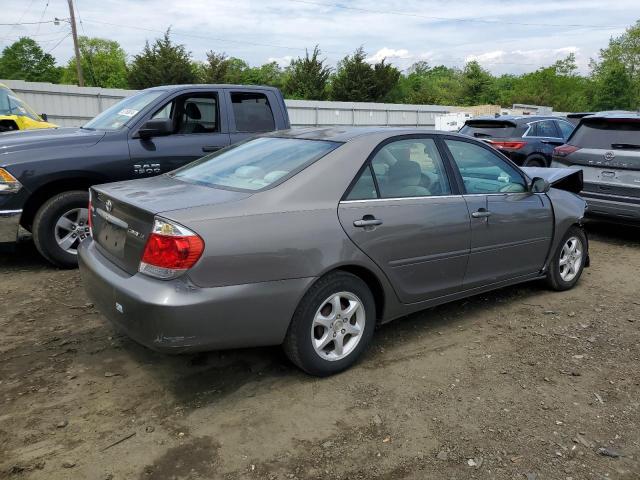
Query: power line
[[42, 16], [454, 19], [205, 37], [15, 24], [61, 40]]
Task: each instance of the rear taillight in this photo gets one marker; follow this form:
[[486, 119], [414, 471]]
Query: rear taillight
[[171, 249], [506, 145], [564, 150]]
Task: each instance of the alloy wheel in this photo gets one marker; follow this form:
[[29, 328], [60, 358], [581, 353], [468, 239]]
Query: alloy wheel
[[71, 228], [338, 326], [570, 259]]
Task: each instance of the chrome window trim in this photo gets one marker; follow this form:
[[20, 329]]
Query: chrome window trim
[[400, 198]]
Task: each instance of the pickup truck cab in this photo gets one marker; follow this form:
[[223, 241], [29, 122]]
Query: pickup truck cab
[[45, 174]]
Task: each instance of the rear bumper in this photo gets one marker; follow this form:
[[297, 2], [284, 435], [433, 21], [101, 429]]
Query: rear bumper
[[176, 316], [9, 225], [600, 205]]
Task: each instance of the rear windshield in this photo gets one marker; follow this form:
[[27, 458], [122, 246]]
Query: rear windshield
[[489, 129], [607, 134], [256, 164]]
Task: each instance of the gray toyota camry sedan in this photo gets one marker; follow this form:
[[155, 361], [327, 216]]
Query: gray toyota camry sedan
[[310, 238]]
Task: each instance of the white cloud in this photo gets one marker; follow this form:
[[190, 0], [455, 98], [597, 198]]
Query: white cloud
[[389, 54], [282, 61]]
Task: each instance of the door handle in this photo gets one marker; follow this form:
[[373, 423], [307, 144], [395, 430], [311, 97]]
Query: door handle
[[481, 213], [367, 221], [210, 148]]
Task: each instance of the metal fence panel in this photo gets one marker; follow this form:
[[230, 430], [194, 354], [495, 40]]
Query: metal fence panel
[[69, 105]]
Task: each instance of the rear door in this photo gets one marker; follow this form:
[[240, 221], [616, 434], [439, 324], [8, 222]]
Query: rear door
[[511, 228], [548, 133], [404, 213], [199, 128]]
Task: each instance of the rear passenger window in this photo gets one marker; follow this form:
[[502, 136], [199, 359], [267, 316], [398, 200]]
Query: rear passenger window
[[364, 188], [252, 112], [546, 128], [404, 168]]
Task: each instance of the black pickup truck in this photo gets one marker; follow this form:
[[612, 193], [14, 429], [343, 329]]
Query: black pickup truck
[[45, 174]]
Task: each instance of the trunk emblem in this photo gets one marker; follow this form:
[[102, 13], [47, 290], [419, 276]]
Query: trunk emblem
[[108, 206], [608, 156]]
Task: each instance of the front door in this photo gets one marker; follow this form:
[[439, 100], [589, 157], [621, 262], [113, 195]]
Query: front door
[[403, 213], [198, 129], [511, 228]]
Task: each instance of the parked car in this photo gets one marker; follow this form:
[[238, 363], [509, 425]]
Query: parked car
[[15, 114], [606, 147], [309, 238], [527, 140], [44, 175]]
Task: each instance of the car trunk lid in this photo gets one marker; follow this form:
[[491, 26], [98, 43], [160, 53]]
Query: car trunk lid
[[123, 213]]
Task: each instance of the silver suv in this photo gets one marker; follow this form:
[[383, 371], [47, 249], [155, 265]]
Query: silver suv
[[606, 146]]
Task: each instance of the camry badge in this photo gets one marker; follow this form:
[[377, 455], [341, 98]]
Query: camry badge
[[608, 156], [108, 205]]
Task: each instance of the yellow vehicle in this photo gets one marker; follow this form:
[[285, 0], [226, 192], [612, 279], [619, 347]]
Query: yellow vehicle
[[15, 114]]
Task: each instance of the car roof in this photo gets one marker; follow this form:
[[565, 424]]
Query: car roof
[[207, 86], [345, 134], [518, 119], [614, 114]]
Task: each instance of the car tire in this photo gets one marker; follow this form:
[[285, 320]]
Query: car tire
[[60, 222], [317, 320], [568, 261], [535, 161]]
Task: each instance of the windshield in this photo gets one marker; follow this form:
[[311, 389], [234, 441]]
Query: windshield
[[256, 164], [122, 112], [12, 105]]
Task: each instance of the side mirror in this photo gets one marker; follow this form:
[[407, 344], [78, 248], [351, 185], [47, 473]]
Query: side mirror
[[539, 185], [44, 117], [156, 127]]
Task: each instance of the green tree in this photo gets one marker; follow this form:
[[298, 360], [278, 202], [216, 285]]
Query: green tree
[[425, 85], [104, 64], [613, 87], [163, 63], [308, 77], [354, 79], [357, 81], [477, 85], [216, 68], [622, 55], [25, 60]]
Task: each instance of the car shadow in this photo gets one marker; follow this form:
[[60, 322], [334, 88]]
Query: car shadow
[[23, 256], [197, 380], [616, 233]]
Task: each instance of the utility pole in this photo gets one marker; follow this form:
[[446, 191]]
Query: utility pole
[[74, 33]]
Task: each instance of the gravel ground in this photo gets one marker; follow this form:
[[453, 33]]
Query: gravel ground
[[521, 383]]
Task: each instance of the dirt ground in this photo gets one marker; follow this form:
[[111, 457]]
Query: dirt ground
[[517, 384]]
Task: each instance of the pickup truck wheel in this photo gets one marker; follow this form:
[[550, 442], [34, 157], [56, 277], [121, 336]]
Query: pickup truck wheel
[[332, 325], [60, 225]]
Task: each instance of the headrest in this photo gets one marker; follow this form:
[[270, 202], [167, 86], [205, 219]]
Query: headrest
[[192, 111]]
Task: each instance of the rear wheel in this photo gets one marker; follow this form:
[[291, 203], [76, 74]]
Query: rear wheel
[[535, 161], [332, 326], [60, 225], [568, 261]]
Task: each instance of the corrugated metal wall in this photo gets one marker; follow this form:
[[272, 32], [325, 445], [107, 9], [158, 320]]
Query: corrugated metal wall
[[68, 105]]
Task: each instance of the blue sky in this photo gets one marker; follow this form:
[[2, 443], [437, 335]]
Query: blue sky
[[505, 36]]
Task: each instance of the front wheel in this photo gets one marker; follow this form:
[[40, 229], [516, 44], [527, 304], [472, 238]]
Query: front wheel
[[568, 261], [60, 225], [332, 326]]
